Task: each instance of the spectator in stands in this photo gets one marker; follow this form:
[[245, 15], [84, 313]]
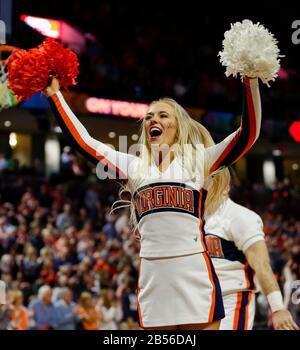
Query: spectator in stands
[[19, 319], [62, 282], [128, 299], [3, 162], [30, 264], [66, 161], [42, 311], [66, 311], [109, 307], [65, 219], [5, 316], [89, 317]]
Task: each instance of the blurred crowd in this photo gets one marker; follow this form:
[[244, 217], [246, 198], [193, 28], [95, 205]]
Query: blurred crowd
[[69, 263]]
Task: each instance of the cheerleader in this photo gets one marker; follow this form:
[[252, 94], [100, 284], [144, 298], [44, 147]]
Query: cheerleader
[[178, 286], [169, 182], [235, 242]]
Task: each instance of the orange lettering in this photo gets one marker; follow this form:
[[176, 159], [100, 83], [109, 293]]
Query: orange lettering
[[188, 200], [172, 196], [158, 196], [164, 196], [146, 200], [214, 246], [181, 196]]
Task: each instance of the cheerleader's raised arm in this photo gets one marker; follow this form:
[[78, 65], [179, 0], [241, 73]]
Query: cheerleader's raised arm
[[233, 147], [249, 50], [93, 150]]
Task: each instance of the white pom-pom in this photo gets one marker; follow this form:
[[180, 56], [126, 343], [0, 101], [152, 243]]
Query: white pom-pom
[[250, 50]]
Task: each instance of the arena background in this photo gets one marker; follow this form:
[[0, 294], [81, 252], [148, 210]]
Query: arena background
[[55, 227]]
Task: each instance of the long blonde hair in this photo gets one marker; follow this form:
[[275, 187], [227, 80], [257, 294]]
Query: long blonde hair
[[189, 132]]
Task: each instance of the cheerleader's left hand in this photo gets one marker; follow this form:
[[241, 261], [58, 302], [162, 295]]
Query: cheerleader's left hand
[[283, 320]]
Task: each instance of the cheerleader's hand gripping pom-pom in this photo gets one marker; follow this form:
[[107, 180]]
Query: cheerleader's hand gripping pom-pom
[[29, 71], [250, 50]]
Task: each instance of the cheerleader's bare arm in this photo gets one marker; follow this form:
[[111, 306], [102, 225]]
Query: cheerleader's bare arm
[[92, 149]]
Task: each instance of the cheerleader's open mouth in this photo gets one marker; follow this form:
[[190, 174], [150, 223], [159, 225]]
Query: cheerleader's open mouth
[[155, 132]]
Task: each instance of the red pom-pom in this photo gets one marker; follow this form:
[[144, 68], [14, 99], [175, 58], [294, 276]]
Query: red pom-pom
[[63, 62], [28, 72]]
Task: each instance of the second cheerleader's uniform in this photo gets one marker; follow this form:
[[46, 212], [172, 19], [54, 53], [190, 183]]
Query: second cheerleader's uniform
[[230, 231], [177, 281]]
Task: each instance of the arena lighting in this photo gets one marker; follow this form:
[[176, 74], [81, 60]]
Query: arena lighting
[[269, 173], [118, 108], [69, 35], [57, 129], [294, 131], [13, 141], [112, 134], [276, 152], [52, 155], [47, 27]]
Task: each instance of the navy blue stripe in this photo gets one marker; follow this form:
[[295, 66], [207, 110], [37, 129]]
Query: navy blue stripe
[[204, 196], [219, 312], [229, 249], [250, 275], [158, 184], [242, 314], [165, 209]]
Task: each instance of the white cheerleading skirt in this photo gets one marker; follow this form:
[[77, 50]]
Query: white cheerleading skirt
[[178, 290]]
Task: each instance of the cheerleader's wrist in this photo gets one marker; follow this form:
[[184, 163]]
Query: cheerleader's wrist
[[275, 301]]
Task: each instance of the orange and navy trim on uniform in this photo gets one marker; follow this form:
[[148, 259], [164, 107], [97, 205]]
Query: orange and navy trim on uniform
[[246, 135], [75, 139], [201, 210], [241, 315], [214, 246], [137, 296], [166, 196], [217, 308], [220, 248]]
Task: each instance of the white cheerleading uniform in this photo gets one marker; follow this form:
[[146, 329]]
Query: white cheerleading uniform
[[169, 208], [229, 232]]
